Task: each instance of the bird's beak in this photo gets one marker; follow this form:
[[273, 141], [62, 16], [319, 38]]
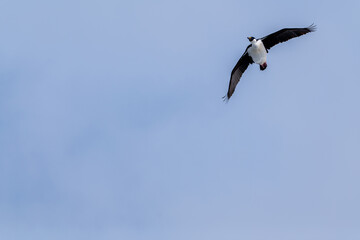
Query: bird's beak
[[248, 38]]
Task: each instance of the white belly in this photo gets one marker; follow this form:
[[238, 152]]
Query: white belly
[[258, 52]]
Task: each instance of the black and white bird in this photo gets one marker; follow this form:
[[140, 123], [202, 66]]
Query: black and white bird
[[257, 51]]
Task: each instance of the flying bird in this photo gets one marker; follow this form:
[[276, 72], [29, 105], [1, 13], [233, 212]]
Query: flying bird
[[257, 51]]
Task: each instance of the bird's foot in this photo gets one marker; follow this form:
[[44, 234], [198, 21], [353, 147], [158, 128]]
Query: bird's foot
[[263, 66]]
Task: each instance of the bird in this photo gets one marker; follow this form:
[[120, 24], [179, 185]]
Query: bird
[[257, 52]]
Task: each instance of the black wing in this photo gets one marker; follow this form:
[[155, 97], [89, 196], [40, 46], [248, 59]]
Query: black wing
[[237, 72], [285, 34]]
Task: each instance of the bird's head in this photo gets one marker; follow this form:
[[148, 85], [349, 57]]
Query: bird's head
[[251, 39]]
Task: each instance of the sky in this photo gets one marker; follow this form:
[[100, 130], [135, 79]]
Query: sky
[[112, 124]]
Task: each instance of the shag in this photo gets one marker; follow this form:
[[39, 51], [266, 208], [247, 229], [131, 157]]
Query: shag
[[257, 51]]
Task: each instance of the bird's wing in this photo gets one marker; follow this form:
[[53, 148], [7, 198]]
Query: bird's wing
[[285, 34], [237, 72]]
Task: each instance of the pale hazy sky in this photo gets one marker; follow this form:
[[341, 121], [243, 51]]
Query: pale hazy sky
[[113, 127]]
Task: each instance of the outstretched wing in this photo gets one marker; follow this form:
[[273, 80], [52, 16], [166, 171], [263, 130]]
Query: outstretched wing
[[237, 72], [285, 34]]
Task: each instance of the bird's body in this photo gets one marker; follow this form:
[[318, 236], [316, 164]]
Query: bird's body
[[257, 51]]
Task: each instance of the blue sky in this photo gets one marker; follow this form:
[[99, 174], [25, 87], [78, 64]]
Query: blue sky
[[113, 127]]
